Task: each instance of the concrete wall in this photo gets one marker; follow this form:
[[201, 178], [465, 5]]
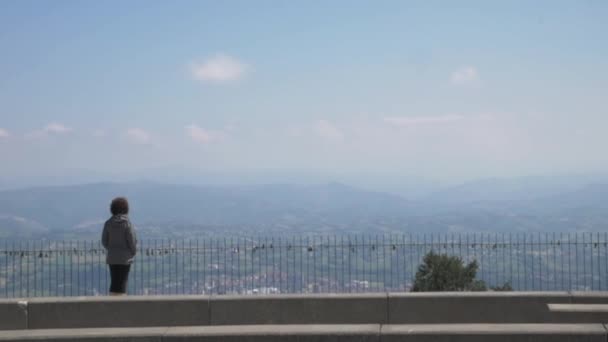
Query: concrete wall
[[327, 333], [92, 312], [299, 309], [586, 298], [476, 307], [13, 314], [581, 297], [398, 308]]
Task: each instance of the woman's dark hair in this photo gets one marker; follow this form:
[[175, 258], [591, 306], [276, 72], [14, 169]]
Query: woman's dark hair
[[119, 206]]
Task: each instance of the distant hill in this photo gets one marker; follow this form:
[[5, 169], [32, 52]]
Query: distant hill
[[325, 208], [510, 189], [60, 208]]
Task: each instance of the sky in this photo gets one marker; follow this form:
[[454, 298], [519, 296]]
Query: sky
[[349, 90]]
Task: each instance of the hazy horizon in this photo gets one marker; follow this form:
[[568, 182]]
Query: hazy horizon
[[408, 188], [387, 95]]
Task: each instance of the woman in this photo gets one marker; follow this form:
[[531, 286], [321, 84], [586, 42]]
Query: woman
[[120, 242]]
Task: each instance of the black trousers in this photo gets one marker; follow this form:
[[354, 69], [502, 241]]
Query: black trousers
[[119, 275]]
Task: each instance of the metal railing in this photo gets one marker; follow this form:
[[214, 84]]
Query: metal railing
[[303, 264]]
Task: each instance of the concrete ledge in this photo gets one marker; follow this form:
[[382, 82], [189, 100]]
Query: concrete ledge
[[319, 333], [475, 307], [91, 312], [494, 332], [312, 333], [299, 309], [591, 313], [71, 335], [270, 333], [13, 314], [594, 297], [578, 308], [382, 308]]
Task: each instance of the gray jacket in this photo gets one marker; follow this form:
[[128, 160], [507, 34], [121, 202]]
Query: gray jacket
[[119, 240]]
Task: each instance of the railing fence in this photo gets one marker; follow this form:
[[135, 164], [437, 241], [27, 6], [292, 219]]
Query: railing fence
[[304, 264]]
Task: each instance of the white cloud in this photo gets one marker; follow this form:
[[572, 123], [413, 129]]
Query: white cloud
[[199, 134], [465, 75], [221, 68], [4, 133], [56, 128], [138, 136], [328, 130], [50, 129], [423, 120]]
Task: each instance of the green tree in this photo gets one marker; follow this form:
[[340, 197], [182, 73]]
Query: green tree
[[441, 272]]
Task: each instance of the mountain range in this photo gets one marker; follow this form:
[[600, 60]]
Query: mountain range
[[483, 206]]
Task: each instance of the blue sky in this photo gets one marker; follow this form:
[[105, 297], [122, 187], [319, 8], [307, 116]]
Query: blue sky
[[414, 89]]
